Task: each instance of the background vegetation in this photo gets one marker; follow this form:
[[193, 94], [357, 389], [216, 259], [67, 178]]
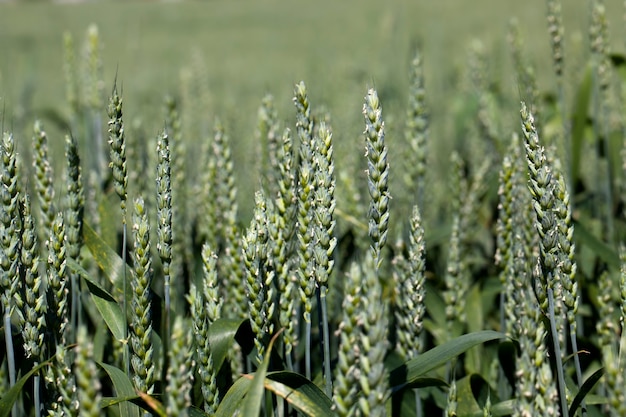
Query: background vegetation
[[232, 228]]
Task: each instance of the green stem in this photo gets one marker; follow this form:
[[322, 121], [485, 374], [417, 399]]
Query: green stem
[[557, 354], [37, 396], [321, 291], [8, 339], [126, 347], [307, 350], [419, 412], [579, 377]]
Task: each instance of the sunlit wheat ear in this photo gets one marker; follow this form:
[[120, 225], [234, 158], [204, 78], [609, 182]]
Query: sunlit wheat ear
[[220, 220], [268, 140], [34, 309], [57, 291], [164, 217], [609, 343], [373, 344], [74, 199], [456, 278], [542, 185], [323, 232], [117, 143], [345, 387], [181, 234], [87, 381], [141, 319], [452, 400], [305, 195], [60, 375], [43, 181], [261, 302], [10, 244], [556, 31], [117, 151], [179, 373], [377, 174], [206, 305], [74, 209], [417, 131], [410, 310], [280, 229]]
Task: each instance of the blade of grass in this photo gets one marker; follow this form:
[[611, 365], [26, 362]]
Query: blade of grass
[[109, 309], [300, 392], [107, 259], [252, 405], [123, 388], [10, 397], [584, 390], [410, 371]]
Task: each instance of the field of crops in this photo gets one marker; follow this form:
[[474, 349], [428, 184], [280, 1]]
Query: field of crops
[[431, 222]]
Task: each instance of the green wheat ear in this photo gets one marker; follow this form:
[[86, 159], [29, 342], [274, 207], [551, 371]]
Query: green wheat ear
[[179, 372], [346, 382], [88, 384], [10, 244], [206, 307], [43, 181], [417, 131], [261, 302], [141, 318], [377, 174]]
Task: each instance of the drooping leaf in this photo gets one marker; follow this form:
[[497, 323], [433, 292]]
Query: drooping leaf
[[123, 388], [234, 398], [222, 334], [9, 398], [300, 392], [106, 304], [107, 259], [110, 401], [584, 390], [438, 356], [254, 398]]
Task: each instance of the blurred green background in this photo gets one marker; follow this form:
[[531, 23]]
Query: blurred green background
[[245, 49]]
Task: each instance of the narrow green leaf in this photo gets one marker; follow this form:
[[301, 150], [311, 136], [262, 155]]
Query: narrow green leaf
[[580, 120], [109, 309], [110, 401], [9, 398], [107, 259], [233, 398], [585, 389], [255, 394], [300, 392], [123, 388], [438, 356], [221, 337]]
